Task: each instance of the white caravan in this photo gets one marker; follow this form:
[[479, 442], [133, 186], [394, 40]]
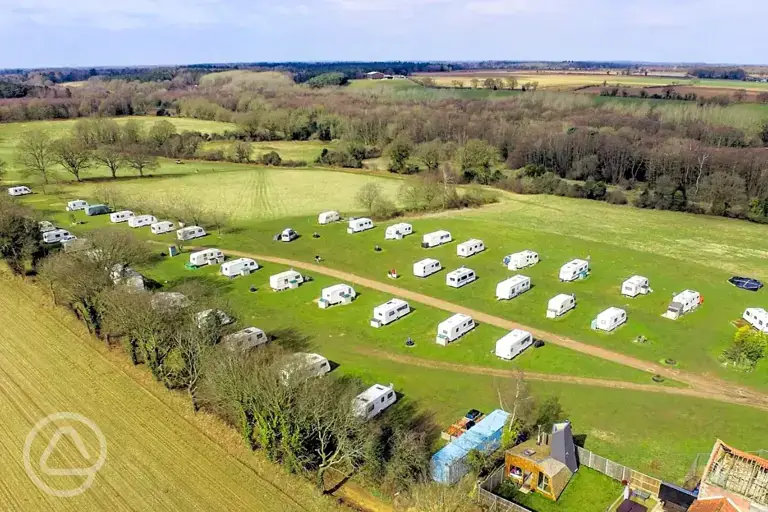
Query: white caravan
[[245, 339], [573, 270], [389, 312], [398, 231], [336, 294], [454, 328], [460, 277], [206, 257], [512, 287], [288, 235], [189, 233], [521, 259], [285, 280], [239, 267], [207, 315], [358, 225], [159, 228], [121, 216], [560, 305], [127, 276], [328, 217], [77, 204], [435, 238], [634, 286], [307, 365], [373, 400], [684, 302], [141, 220], [45, 226], [610, 319], [57, 235], [513, 344], [18, 191], [426, 268], [757, 318], [470, 248]]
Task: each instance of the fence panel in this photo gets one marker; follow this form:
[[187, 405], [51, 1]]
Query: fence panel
[[618, 472]]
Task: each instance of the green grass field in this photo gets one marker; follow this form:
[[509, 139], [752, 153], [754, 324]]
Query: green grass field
[[307, 151], [588, 491]]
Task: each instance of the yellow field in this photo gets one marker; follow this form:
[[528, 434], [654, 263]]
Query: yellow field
[[159, 455]]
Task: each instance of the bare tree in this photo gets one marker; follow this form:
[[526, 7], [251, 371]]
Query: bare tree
[[110, 157], [137, 159], [433, 497], [241, 151], [34, 154], [73, 156], [368, 195]]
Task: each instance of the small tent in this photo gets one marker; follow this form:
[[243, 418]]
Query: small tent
[[746, 283]]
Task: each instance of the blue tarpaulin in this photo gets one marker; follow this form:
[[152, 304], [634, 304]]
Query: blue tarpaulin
[[746, 283]]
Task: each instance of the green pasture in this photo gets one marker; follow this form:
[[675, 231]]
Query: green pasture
[[307, 151], [588, 491]]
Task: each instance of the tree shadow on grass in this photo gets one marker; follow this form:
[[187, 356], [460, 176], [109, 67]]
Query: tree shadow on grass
[[292, 339]]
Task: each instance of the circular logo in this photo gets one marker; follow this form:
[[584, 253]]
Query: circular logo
[[67, 425]]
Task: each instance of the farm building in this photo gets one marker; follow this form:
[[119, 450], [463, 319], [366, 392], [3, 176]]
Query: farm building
[[426, 267], [454, 328], [96, 209], [373, 400], [682, 303], [77, 204], [239, 267], [44, 226], [206, 316], [609, 319], [287, 235], [389, 312], [375, 75], [359, 225], [560, 305], [512, 287], [634, 286], [574, 269], [18, 191], [127, 276], [57, 235], [285, 280], [513, 344], [398, 231], [460, 277], [164, 226], [521, 259], [206, 257], [305, 366], [449, 465], [141, 221], [738, 476], [470, 248], [190, 233], [336, 294], [757, 318], [245, 339], [121, 216], [435, 238], [328, 217]]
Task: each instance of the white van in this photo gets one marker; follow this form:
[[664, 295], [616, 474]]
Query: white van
[[389, 312], [610, 319], [435, 238], [513, 344], [426, 267], [57, 235], [328, 217], [573, 270], [120, 216], [141, 221], [454, 328], [190, 233], [522, 259], [398, 231], [77, 204], [159, 228], [288, 235], [358, 225], [512, 287], [206, 257], [18, 191], [373, 400], [285, 280], [560, 305], [470, 248], [245, 339], [460, 277], [239, 267], [336, 294]]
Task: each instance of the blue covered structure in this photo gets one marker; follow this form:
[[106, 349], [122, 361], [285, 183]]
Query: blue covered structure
[[746, 283], [449, 465]]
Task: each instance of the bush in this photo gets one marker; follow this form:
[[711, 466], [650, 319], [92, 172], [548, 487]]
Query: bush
[[271, 158], [616, 197], [747, 348]]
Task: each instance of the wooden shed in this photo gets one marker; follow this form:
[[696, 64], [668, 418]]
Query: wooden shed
[[532, 467]]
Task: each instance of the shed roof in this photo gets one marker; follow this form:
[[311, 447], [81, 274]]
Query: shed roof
[[713, 505]]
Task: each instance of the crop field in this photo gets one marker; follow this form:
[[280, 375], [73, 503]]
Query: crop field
[[159, 455]]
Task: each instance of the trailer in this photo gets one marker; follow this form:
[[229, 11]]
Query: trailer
[[125, 275], [239, 267], [454, 328], [57, 235], [45, 226], [435, 238], [513, 344], [460, 277], [205, 317], [161, 227], [398, 231], [522, 259], [245, 339], [682, 303], [574, 269], [359, 225], [560, 305], [141, 220], [189, 233], [609, 319], [77, 204], [373, 400], [305, 366], [426, 268], [328, 217], [390, 311], [206, 257], [96, 209], [336, 294], [18, 191], [287, 235], [470, 248], [512, 287], [634, 286], [757, 318], [285, 280]]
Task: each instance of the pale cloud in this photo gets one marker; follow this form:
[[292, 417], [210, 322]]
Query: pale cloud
[[301, 9], [364, 6], [502, 7]]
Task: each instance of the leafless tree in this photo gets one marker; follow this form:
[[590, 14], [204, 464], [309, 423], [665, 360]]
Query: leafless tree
[[111, 157], [73, 156], [34, 154], [136, 158]]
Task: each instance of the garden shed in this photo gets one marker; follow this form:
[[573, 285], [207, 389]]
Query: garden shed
[[535, 469]]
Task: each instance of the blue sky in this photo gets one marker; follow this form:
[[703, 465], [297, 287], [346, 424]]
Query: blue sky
[[125, 32]]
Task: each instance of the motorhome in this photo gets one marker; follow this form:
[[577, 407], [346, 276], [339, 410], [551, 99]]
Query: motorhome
[[454, 328], [121, 216], [336, 294], [522, 259], [285, 280], [57, 235], [358, 225], [288, 235], [96, 209], [189, 233], [398, 231], [203, 317], [206, 257], [513, 344], [239, 267], [389, 312], [573, 270], [512, 287], [634, 286], [609, 319], [560, 305], [426, 268], [757, 318], [328, 217], [141, 220], [460, 277], [77, 204], [435, 238], [45, 226], [305, 366], [682, 303], [470, 248], [245, 339], [373, 400], [161, 227], [18, 191]]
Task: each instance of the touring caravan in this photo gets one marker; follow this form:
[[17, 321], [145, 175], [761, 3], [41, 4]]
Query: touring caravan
[[77, 204], [239, 267], [560, 305], [470, 248], [610, 319], [288, 235], [454, 328], [573, 270], [18, 191], [336, 294], [512, 287], [389, 312], [96, 209], [159, 228], [460, 277], [513, 344], [757, 318], [358, 225], [207, 315], [206, 257], [522, 259], [634, 286], [245, 339], [285, 280], [373, 400], [305, 366], [426, 268], [435, 238], [189, 233], [684, 302], [398, 231], [125, 275], [57, 235], [45, 226], [141, 221], [328, 217], [121, 216]]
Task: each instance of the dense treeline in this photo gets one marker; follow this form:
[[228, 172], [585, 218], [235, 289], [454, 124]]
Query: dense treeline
[[723, 73]]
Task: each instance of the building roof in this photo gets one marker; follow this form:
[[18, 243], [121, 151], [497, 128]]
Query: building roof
[[516, 279], [372, 393], [454, 320], [637, 280], [713, 505], [734, 472], [611, 312]]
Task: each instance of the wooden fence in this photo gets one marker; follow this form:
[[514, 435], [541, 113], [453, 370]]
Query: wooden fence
[[618, 472], [494, 502]]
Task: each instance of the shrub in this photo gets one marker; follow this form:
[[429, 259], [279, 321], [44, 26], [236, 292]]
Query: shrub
[[616, 197], [271, 158], [747, 348]]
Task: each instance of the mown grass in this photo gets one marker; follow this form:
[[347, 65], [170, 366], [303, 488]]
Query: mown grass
[[306, 151], [588, 491]]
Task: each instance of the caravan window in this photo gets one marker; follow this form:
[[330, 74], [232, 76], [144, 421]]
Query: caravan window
[[391, 313], [389, 395], [382, 399], [370, 408], [323, 364]]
